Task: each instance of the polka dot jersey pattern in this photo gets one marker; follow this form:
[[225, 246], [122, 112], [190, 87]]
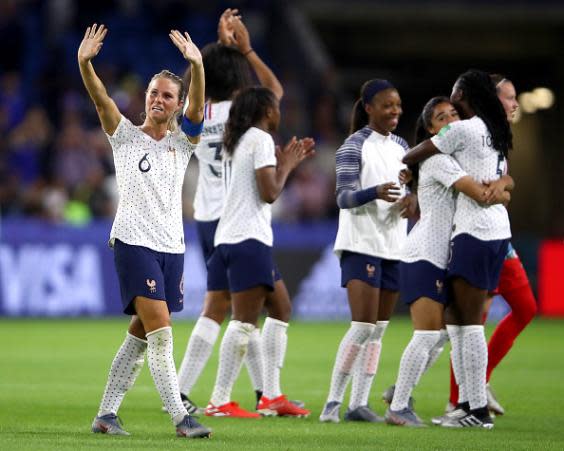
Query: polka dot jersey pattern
[[150, 175]]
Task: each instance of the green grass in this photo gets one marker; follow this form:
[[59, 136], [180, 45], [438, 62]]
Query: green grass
[[52, 374]]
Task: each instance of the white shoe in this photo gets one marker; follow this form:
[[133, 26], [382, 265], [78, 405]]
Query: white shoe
[[493, 405], [451, 416], [330, 412]]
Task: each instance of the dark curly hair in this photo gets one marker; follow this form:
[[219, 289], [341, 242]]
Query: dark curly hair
[[480, 92], [247, 109], [227, 71]]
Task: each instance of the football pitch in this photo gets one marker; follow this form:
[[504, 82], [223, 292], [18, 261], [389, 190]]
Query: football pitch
[[52, 374]]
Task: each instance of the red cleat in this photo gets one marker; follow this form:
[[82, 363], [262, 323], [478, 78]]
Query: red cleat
[[281, 407], [231, 409]]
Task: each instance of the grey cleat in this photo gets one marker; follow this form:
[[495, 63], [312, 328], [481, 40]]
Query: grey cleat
[[493, 404], [452, 416], [108, 424], [388, 397], [404, 417], [330, 412], [190, 428], [363, 413]]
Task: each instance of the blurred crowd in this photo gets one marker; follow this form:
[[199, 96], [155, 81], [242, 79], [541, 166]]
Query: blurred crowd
[[55, 161]]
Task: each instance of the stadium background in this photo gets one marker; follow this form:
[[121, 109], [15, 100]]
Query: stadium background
[[57, 186]]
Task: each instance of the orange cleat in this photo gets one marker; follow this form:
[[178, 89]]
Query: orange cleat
[[280, 406], [231, 409]]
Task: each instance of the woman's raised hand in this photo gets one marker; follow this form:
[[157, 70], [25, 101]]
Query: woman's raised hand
[[91, 43], [188, 49], [225, 32]]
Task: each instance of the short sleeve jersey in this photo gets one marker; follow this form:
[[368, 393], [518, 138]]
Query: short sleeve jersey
[[367, 159], [429, 238], [469, 142], [245, 215], [208, 201], [149, 176]]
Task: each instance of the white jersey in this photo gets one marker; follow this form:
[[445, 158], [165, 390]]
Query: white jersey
[[149, 177], [208, 201], [469, 142], [429, 238], [367, 159], [245, 215]]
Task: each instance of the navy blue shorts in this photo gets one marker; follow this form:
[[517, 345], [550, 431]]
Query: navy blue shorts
[[476, 261], [422, 279], [151, 274], [206, 234], [375, 271], [241, 266]]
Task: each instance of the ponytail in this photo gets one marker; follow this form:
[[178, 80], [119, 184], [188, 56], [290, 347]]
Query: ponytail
[[359, 118]]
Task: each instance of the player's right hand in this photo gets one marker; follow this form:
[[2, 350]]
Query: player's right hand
[[91, 43], [390, 192]]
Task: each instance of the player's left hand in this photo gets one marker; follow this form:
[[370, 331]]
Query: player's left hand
[[189, 50], [494, 192], [241, 37]]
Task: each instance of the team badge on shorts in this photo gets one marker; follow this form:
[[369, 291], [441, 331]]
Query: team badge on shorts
[[152, 284], [370, 270]]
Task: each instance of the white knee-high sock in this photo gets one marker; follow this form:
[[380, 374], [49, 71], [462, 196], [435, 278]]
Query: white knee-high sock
[[253, 360], [198, 351], [125, 368], [274, 339], [367, 366], [475, 364], [435, 351], [161, 364], [347, 355], [457, 354], [231, 353], [412, 365]]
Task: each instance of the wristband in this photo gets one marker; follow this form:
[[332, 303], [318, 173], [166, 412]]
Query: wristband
[[248, 51], [190, 128]]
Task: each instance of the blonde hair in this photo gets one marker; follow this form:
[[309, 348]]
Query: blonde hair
[[173, 123]]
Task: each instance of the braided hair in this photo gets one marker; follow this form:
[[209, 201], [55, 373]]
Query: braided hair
[[480, 93], [247, 109]]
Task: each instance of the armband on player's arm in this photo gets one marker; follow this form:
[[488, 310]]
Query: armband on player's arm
[[351, 199], [191, 129]]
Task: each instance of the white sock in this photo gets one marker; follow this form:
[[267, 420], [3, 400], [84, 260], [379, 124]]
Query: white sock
[[367, 366], [435, 351], [348, 352], [274, 339], [161, 364], [198, 351], [456, 355], [475, 364], [231, 353], [253, 360], [125, 368], [412, 365]]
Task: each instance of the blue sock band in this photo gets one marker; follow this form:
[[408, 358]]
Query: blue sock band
[[190, 128]]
